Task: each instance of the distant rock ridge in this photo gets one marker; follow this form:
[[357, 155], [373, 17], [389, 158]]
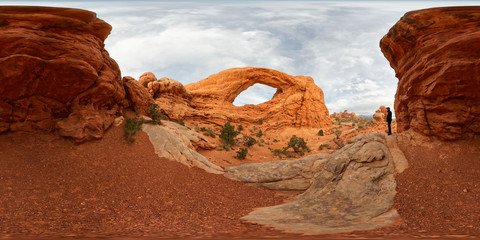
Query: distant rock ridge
[[298, 102], [434, 53], [346, 115], [56, 75]]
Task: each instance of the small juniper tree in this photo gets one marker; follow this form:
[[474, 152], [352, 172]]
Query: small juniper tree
[[242, 153], [131, 127], [320, 133], [298, 145], [259, 134], [228, 134]]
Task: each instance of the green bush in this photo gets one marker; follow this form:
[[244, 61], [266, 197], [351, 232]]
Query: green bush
[[259, 134], [203, 129], [338, 133], [278, 153], [131, 127], [260, 121], [228, 134], [298, 145], [242, 153], [181, 122], [156, 115], [327, 146], [239, 128], [248, 141], [320, 133]]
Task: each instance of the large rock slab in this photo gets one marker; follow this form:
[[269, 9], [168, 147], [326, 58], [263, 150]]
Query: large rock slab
[[291, 175], [353, 191], [55, 72], [178, 143], [435, 56]]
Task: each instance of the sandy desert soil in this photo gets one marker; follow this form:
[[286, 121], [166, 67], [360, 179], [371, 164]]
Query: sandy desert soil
[[54, 188]]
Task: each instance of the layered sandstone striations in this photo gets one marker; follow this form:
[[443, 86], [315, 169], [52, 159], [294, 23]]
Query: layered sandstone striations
[[298, 102], [55, 73], [435, 56]]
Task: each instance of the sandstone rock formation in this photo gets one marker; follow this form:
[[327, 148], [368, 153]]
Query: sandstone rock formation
[[298, 102], [291, 175], [55, 72], [381, 114], [433, 52], [178, 143], [345, 115], [138, 98], [353, 191]]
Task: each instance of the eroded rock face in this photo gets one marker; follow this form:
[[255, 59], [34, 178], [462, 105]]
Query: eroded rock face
[[434, 54], [290, 175], [298, 102], [178, 143], [55, 73], [354, 190], [381, 114], [345, 115]]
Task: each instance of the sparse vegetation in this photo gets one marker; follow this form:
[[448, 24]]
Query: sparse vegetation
[[298, 145], [260, 121], [239, 128], [210, 132], [155, 114], [327, 146], [248, 141], [320, 133], [259, 134], [228, 134], [132, 125], [242, 153], [181, 122]]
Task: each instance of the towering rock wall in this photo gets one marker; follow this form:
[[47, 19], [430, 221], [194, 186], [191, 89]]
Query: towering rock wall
[[55, 73], [436, 56]]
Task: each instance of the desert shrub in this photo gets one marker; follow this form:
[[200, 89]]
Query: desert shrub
[[259, 134], [261, 141], [239, 128], [248, 141], [320, 133], [181, 122], [353, 124], [242, 153], [210, 132], [327, 146], [228, 134], [339, 142], [298, 145], [155, 114], [254, 128], [278, 153], [260, 121], [131, 127], [275, 140], [338, 133], [203, 129]]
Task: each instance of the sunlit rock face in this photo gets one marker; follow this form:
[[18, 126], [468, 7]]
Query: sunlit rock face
[[55, 73], [298, 102], [436, 56]]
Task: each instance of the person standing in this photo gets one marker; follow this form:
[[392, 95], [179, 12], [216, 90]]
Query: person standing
[[389, 121]]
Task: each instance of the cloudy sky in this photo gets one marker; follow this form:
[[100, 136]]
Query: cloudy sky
[[335, 42]]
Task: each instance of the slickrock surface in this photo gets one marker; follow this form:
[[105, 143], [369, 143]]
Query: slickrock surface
[[435, 56], [298, 102], [353, 191], [55, 72]]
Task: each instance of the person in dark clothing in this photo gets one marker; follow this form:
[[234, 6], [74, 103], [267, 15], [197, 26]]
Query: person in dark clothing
[[389, 121]]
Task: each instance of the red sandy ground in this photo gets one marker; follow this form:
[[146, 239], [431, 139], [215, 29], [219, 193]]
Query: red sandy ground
[[53, 188]]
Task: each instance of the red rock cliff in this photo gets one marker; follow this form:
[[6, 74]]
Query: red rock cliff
[[55, 73], [436, 57]]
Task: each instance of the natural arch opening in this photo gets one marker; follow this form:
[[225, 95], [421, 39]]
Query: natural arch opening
[[255, 94]]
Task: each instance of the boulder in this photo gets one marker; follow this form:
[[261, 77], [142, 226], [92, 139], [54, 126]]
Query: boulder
[[433, 53], [291, 175], [178, 143], [353, 191], [297, 103], [381, 114], [55, 72], [137, 97]]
